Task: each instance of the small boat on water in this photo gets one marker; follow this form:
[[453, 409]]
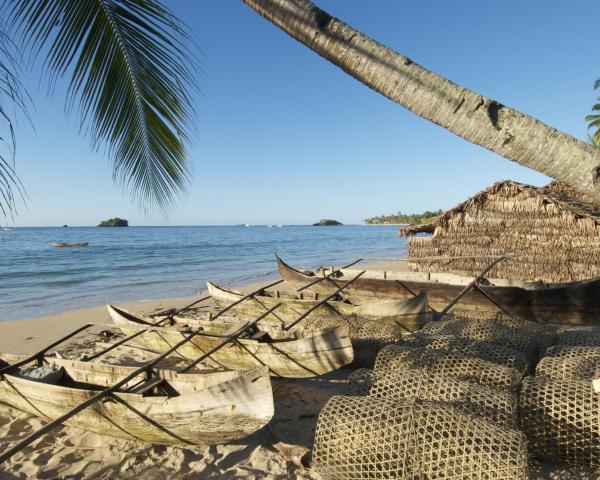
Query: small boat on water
[[410, 314], [176, 408], [69, 245], [297, 354], [574, 303]]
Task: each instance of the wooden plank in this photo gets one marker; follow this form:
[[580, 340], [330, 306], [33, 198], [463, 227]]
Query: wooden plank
[[325, 277]]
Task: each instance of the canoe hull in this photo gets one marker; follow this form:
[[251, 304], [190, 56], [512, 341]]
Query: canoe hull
[[577, 303], [230, 406], [292, 308], [309, 356]]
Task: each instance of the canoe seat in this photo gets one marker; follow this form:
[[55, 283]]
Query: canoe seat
[[148, 386]]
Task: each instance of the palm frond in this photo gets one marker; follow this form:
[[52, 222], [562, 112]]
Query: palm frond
[[13, 100], [131, 77], [594, 121]]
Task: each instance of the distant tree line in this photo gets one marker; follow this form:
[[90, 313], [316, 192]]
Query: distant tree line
[[413, 218]]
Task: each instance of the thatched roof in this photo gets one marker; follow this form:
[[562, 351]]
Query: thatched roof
[[562, 196]]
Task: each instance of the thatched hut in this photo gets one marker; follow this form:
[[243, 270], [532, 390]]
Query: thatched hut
[[549, 234]]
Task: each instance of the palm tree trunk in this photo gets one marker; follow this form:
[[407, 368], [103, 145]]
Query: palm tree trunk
[[478, 119]]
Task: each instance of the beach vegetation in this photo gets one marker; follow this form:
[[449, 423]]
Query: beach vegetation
[[130, 80], [404, 218]]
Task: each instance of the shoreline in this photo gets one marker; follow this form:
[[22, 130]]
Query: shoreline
[[30, 334]]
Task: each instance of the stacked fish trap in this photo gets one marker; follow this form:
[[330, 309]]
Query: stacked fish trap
[[565, 362], [562, 420], [455, 365], [368, 336], [559, 409], [371, 438], [498, 406]]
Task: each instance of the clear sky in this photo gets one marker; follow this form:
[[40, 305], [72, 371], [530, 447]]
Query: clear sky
[[285, 137]]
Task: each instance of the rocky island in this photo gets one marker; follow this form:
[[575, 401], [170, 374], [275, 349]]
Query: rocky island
[[326, 222], [114, 222]]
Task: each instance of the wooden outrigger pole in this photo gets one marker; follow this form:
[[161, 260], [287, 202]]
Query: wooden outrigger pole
[[326, 299], [328, 276], [469, 286], [39, 354]]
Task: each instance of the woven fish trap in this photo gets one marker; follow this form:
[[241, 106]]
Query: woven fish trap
[[490, 351], [462, 367], [589, 336], [498, 406], [485, 330], [569, 363], [381, 438], [562, 420]]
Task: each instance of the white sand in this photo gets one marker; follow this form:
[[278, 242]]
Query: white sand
[[71, 453]]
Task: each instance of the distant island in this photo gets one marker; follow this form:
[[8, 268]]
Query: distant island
[[114, 222], [327, 222], [412, 218]]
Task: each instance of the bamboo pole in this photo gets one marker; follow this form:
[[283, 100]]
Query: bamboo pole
[[170, 316], [325, 300], [37, 355], [325, 277], [232, 337], [468, 287], [240, 300]]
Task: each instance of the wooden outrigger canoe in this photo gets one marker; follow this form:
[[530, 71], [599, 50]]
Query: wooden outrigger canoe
[[409, 314], [296, 354], [69, 245], [574, 303], [191, 408]]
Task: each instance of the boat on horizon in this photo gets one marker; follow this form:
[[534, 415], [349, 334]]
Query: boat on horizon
[[574, 303], [70, 245]]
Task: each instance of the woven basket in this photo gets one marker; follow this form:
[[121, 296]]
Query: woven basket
[[380, 438]]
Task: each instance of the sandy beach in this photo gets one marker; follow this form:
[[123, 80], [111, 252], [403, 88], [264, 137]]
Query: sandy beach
[[281, 450]]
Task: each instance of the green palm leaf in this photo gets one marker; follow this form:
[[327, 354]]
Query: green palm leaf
[[13, 98], [130, 75]]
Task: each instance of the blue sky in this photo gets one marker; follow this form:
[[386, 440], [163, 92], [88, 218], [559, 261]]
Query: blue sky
[[283, 136]]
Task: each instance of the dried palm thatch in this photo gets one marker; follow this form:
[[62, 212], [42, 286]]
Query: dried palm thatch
[[456, 365], [495, 405], [555, 233], [371, 438], [569, 363], [562, 420]]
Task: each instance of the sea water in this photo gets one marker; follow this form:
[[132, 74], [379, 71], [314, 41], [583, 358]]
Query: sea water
[[136, 263]]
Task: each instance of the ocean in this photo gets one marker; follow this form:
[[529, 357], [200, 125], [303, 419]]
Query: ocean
[[137, 263]]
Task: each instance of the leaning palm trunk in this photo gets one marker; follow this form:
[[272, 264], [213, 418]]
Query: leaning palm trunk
[[475, 118]]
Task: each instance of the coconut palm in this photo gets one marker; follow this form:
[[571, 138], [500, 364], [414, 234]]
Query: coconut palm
[[478, 119], [130, 77], [594, 120]]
